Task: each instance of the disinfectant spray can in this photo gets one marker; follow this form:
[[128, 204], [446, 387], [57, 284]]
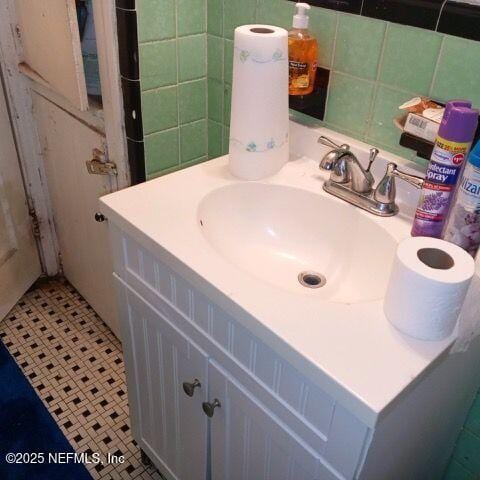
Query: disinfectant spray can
[[454, 138], [463, 224]]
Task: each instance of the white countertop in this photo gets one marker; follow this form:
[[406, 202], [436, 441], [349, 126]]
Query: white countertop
[[351, 351]]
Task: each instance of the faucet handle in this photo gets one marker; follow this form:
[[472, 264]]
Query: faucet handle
[[330, 159], [386, 190], [414, 180], [373, 155], [328, 142]]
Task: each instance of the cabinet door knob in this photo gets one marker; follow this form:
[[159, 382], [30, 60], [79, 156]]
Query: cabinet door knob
[[209, 408], [189, 388], [99, 217]]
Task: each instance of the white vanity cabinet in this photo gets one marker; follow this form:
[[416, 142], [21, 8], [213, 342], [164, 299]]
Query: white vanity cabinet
[[307, 387], [272, 422]]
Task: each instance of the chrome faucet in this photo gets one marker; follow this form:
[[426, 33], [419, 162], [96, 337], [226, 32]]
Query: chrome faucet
[[345, 167], [351, 182]]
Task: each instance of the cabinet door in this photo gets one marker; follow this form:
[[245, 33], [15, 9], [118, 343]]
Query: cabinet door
[[167, 423], [250, 443]]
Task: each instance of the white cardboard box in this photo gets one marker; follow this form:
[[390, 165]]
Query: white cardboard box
[[421, 127]]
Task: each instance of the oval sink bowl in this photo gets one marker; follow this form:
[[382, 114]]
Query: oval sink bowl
[[276, 232]]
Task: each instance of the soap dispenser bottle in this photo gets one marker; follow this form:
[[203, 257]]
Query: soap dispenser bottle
[[302, 53]]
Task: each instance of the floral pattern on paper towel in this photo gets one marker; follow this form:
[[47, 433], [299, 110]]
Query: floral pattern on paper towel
[[244, 55], [259, 147]]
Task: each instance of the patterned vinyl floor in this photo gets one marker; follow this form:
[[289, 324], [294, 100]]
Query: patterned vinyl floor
[[75, 364]]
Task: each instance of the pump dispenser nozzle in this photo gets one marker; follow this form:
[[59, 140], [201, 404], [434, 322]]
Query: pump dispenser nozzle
[[300, 19]]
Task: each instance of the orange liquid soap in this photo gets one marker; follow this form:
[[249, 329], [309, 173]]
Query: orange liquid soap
[[302, 54]]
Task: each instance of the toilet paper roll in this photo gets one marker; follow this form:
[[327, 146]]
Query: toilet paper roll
[[427, 287], [258, 145]]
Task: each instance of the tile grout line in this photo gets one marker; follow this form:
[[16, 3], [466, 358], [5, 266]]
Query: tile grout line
[[222, 3], [467, 428], [171, 39], [173, 85], [140, 106], [440, 15], [179, 133], [222, 99], [396, 89], [174, 168], [206, 93], [176, 127], [377, 81], [361, 7], [332, 61], [437, 63], [220, 81], [354, 77], [335, 39]]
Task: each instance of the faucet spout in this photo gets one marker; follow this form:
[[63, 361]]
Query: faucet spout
[[347, 169], [361, 180]]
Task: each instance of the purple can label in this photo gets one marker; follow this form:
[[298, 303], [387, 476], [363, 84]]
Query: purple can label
[[432, 209], [442, 174], [449, 153]]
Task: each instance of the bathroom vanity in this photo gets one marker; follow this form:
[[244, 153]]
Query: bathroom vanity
[[238, 370]]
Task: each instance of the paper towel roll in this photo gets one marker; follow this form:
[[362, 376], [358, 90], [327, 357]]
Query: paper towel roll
[[258, 145], [427, 286]]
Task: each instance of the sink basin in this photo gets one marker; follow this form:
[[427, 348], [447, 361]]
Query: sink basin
[[275, 232]]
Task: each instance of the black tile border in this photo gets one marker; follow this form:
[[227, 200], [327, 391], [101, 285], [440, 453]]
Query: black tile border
[[130, 80], [136, 161], [445, 16], [125, 4], [416, 13], [128, 43], [132, 109], [350, 6], [461, 20], [313, 104]]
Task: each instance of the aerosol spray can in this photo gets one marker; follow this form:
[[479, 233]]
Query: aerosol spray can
[[463, 224], [451, 147]]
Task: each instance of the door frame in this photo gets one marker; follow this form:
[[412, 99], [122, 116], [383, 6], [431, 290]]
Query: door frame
[[105, 15], [26, 137], [18, 88]]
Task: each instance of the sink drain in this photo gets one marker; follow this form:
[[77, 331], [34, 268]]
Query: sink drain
[[311, 279]]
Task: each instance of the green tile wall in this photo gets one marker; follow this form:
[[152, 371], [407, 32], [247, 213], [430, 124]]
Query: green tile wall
[[186, 72], [173, 80], [375, 66], [465, 462]]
